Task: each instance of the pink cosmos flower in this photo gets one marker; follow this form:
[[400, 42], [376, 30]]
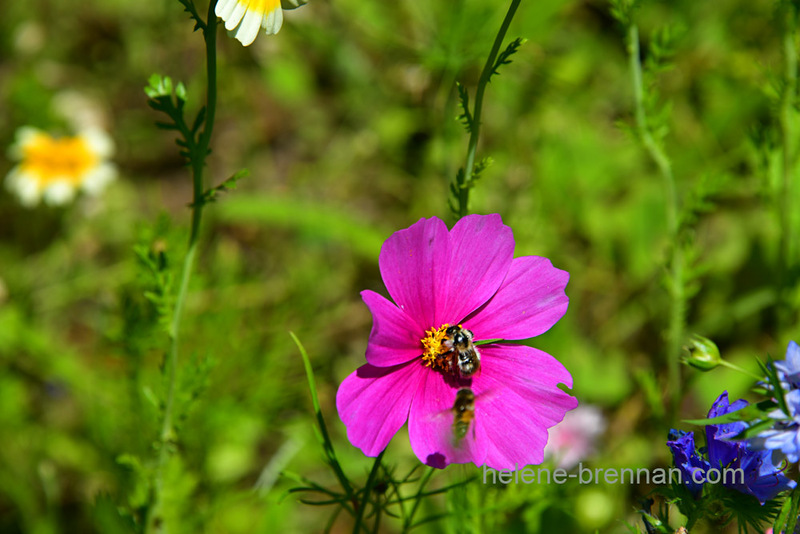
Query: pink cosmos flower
[[465, 278]]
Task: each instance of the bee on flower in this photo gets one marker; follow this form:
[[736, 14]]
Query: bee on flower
[[250, 15], [438, 355], [55, 169]]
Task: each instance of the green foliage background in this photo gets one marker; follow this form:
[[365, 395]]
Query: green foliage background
[[346, 120]]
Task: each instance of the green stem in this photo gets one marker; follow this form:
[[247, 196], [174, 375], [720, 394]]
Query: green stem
[[367, 491], [464, 187], [198, 155], [788, 97], [327, 444], [677, 314], [735, 367], [408, 523]]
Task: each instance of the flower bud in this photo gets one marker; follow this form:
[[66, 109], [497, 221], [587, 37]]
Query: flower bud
[[703, 354]]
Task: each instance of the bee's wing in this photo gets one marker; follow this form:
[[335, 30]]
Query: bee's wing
[[447, 413], [442, 415], [485, 396]]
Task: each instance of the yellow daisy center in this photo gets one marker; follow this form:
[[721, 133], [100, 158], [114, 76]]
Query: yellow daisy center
[[50, 159], [261, 6], [434, 349]]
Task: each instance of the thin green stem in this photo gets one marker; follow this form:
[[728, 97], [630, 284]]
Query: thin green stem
[[788, 98], [210, 35], [735, 367], [198, 156], [677, 314], [367, 491], [327, 444], [488, 68], [409, 522], [376, 527], [399, 501]]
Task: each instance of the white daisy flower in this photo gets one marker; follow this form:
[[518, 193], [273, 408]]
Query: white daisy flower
[[54, 169], [250, 15]]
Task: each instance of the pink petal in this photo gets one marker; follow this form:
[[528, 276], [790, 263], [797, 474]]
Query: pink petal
[[430, 426], [519, 400], [415, 265], [529, 302], [395, 337], [373, 403], [482, 250]]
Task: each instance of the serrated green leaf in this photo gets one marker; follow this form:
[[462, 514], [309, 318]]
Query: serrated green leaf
[[227, 185], [466, 115], [481, 166], [188, 6], [504, 58]]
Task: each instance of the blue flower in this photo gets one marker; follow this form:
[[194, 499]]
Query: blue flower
[[723, 453], [762, 478], [687, 460], [784, 436], [754, 471], [789, 369]]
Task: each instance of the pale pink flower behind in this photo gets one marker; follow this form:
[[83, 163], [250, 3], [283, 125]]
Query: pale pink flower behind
[[575, 438]]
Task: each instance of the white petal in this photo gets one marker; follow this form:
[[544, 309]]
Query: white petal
[[59, 192], [236, 16], [25, 186], [29, 196], [247, 32], [25, 136], [99, 142], [273, 21], [97, 179], [224, 8]]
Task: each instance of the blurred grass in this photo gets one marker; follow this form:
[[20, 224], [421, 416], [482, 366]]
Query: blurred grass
[[346, 121]]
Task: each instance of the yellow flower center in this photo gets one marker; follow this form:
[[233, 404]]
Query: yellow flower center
[[261, 6], [67, 158], [435, 351]]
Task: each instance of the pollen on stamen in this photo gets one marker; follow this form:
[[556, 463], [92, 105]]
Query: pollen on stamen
[[434, 348]]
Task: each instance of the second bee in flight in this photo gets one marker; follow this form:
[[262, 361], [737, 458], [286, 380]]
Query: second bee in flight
[[463, 413]]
